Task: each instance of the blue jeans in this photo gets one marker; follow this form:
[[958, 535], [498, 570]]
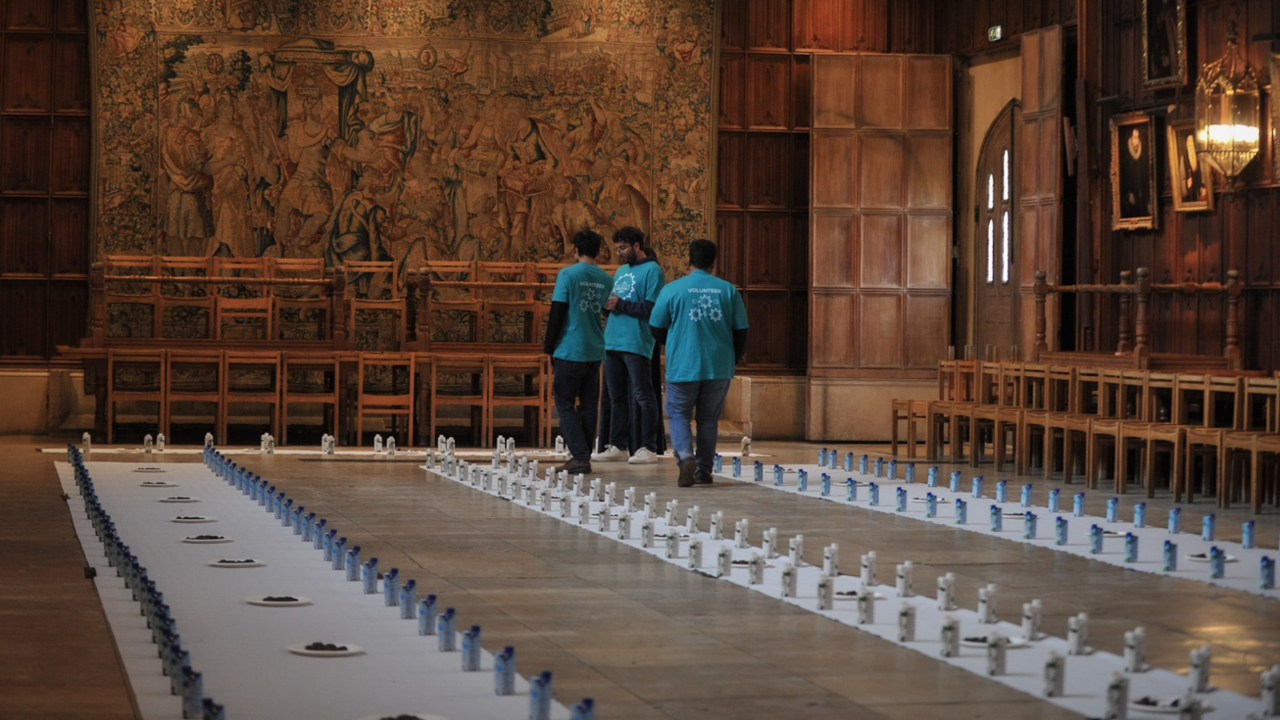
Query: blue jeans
[[628, 379], [707, 397], [576, 387]]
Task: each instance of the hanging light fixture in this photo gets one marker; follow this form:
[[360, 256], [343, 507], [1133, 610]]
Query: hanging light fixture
[[1227, 111]]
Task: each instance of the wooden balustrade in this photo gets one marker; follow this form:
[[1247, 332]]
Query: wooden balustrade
[[1134, 292]]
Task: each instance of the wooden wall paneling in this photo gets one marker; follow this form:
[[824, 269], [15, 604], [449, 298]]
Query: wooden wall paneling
[[799, 262], [880, 92], [731, 170], [768, 170], [925, 314], [26, 91], [833, 327], [928, 252], [68, 314], [23, 236], [817, 25], [730, 229], [835, 251], [22, 334], [799, 182], [69, 173], [71, 74], [769, 24], [929, 105], [870, 29], [733, 26], [880, 337], [24, 146], [29, 15], [72, 16], [834, 161], [835, 90], [797, 338], [881, 170], [927, 164], [733, 89], [881, 250], [69, 238], [769, 91], [768, 317], [767, 251], [801, 92]]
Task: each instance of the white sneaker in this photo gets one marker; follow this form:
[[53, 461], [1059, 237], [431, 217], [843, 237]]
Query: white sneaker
[[643, 456], [610, 454]]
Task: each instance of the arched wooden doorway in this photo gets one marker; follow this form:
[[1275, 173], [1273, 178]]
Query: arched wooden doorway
[[995, 279]]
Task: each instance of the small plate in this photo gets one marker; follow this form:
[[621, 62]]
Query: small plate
[[1013, 644], [1204, 558], [158, 483], [350, 651], [193, 519], [237, 563], [211, 540], [262, 601], [1162, 705], [179, 499], [149, 469], [853, 595]]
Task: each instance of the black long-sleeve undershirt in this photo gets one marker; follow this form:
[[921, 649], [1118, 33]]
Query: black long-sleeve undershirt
[[555, 326]]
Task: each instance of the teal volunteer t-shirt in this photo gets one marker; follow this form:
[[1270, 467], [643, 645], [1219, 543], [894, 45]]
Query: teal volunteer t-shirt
[[700, 312], [634, 283], [584, 287]]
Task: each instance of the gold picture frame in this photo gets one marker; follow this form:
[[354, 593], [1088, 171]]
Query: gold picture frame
[[1134, 203], [1275, 116], [1164, 43], [1190, 179]]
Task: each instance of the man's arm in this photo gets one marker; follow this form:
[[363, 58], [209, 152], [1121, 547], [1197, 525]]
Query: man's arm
[[555, 326], [634, 308], [659, 334]]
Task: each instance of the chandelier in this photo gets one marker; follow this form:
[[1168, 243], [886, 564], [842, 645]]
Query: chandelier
[[1227, 111]]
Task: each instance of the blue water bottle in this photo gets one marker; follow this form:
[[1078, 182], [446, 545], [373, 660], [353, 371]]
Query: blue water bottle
[[997, 519], [932, 478], [1175, 521], [1060, 530], [931, 505], [777, 475], [962, 512], [955, 481], [737, 467], [1140, 515], [447, 631], [1054, 495], [758, 475], [427, 615], [369, 574], [848, 462], [802, 481], [1170, 558], [826, 485], [717, 464], [1002, 495], [1026, 496], [1208, 527], [1077, 505], [1029, 522], [822, 457], [1217, 563], [471, 649], [1130, 548], [540, 696], [1268, 573], [1246, 535], [911, 472], [585, 710], [879, 467], [901, 505], [873, 490], [977, 487], [863, 462], [850, 489], [892, 472], [504, 671], [1095, 539], [1113, 510]]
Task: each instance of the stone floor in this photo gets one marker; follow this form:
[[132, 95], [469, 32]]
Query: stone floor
[[645, 638]]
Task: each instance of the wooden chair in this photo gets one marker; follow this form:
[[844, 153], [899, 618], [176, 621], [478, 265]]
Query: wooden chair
[[242, 311], [251, 377], [1111, 393], [1204, 443], [1071, 426], [947, 380], [1105, 432], [1158, 399], [310, 378], [1086, 391], [299, 311], [530, 391], [1258, 481], [387, 389], [142, 294], [1155, 436], [195, 376], [182, 304], [501, 325], [373, 290], [1033, 393], [472, 393], [913, 412], [940, 428], [135, 376], [1261, 410]]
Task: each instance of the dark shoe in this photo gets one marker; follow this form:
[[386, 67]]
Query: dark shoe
[[575, 466], [702, 477], [687, 469]]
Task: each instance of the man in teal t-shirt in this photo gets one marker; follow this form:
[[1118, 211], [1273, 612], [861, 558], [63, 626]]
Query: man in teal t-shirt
[[704, 324], [575, 342], [628, 345]]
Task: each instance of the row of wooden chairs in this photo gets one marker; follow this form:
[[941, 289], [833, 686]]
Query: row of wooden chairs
[[409, 389], [1213, 423]]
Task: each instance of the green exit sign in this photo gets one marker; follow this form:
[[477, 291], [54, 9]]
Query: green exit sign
[[995, 33]]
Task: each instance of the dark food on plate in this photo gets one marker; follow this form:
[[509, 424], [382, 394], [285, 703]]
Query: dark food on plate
[[207, 537], [236, 562], [326, 647], [279, 598], [1148, 701], [190, 517]]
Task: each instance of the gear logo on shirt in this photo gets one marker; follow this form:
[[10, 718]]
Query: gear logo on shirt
[[706, 308], [625, 286], [590, 301]]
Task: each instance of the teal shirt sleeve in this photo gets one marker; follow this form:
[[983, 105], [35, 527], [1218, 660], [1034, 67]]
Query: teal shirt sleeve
[[739, 312], [661, 315], [561, 293], [656, 281]]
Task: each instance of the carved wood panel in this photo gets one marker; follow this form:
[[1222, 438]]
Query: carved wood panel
[[44, 176], [768, 87], [880, 237], [1038, 146]]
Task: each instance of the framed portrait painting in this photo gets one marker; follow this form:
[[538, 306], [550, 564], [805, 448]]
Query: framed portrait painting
[[1164, 43], [1133, 172], [1190, 179], [1275, 115]]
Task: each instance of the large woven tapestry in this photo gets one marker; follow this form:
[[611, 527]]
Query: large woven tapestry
[[405, 130]]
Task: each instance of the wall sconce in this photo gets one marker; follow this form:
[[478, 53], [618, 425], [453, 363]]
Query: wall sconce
[[1227, 112]]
